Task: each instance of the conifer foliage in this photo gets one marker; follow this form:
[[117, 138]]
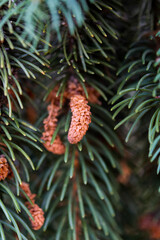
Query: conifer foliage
[[64, 170]]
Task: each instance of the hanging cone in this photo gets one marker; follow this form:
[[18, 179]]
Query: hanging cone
[[36, 212], [81, 118], [50, 125], [25, 187], [4, 168], [38, 215]]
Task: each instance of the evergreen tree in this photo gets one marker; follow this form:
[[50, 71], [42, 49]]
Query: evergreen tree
[[72, 72]]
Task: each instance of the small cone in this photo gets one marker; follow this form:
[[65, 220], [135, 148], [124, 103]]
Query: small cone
[[81, 118], [4, 168], [36, 212], [25, 187], [38, 215], [50, 124]]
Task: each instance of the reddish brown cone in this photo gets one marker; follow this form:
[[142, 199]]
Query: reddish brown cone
[[81, 118], [4, 168], [36, 212], [38, 215], [50, 124], [26, 189]]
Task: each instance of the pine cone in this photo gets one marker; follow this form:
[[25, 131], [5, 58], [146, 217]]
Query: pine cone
[[4, 168], [50, 124], [36, 212], [38, 215], [25, 187], [81, 118]]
